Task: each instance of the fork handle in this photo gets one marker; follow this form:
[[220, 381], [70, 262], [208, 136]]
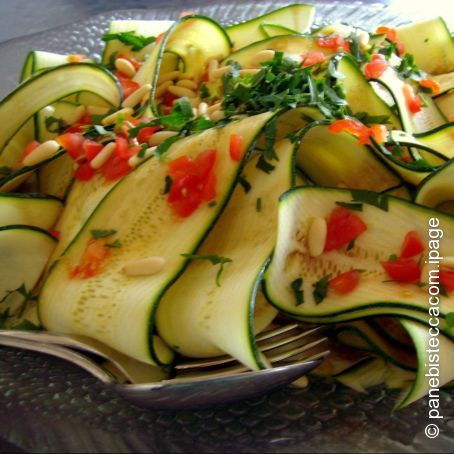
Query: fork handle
[[60, 352]]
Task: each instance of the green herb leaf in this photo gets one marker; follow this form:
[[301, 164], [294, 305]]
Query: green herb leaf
[[97, 234], [392, 258], [351, 206], [201, 124], [449, 319], [204, 91], [370, 198], [137, 42], [297, 292], [26, 325], [244, 183], [264, 165], [102, 131], [351, 245], [167, 185], [321, 289], [258, 205], [164, 146], [214, 259], [55, 125], [369, 120], [115, 245]]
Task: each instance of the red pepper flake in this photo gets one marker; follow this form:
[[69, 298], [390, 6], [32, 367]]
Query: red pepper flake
[[93, 260]]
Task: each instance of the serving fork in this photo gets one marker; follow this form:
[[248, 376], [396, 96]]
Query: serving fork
[[292, 350]]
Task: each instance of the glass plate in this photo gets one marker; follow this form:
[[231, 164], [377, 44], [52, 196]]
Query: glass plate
[[49, 405]]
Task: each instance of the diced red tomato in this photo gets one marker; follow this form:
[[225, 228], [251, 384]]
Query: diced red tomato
[[205, 77], [432, 85], [334, 42], [72, 142], [447, 280], [345, 283], [145, 133], [236, 153], [55, 233], [123, 148], [403, 270], [413, 101], [28, 149], [76, 58], [379, 133], [85, 172], [359, 130], [343, 227], [312, 58], [193, 182], [115, 168], [91, 148], [93, 260], [128, 86], [376, 67], [168, 99], [391, 34], [412, 245], [131, 60]]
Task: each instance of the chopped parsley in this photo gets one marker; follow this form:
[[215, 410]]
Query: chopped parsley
[[321, 289], [351, 206], [297, 291], [408, 69], [449, 319], [392, 258], [244, 183], [371, 198], [167, 184], [98, 234], [115, 245], [55, 125], [137, 42], [258, 205], [215, 260]]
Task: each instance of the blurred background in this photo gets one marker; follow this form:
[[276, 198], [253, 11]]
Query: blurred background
[[24, 17]]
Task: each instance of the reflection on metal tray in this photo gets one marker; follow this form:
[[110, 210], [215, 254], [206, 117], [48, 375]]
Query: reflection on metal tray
[[49, 405]]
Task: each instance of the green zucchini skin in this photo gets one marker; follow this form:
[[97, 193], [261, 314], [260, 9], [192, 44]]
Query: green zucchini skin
[[140, 236], [378, 298]]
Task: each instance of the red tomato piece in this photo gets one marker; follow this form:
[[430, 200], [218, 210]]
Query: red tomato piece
[[334, 42], [55, 233], [376, 67], [29, 148], [204, 163], [412, 245], [236, 152], [123, 148], [345, 283], [403, 270], [72, 142], [168, 99], [432, 85], [356, 128], [93, 260], [343, 227], [84, 172], [312, 58], [378, 132], [391, 35], [115, 168], [414, 102], [91, 148], [184, 165], [145, 133], [209, 188], [447, 280], [128, 86]]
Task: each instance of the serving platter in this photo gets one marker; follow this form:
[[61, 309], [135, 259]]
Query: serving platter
[[48, 405]]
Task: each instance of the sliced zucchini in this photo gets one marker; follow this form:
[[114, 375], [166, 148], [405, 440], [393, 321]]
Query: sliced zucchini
[[445, 103], [270, 30], [298, 17], [145, 226], [25, 250], [360, 95], [330, 159], [431, 44], [388, 220], [38, 60], [37, 210], [437, 189], [204, 316], [145, 28], [48, 87], [440, 139], [446, 82], [400, 191]]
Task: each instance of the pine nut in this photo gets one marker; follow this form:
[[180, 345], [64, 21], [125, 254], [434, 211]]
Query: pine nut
[[134, 161], [316, 236], [245, 72], [144, 267], [218, 115], [186, 76], [213, 65], [448, 262], [213, 108], [161, 89], [195, 111], [202, 108], [217, 73], [136, 96], [112, 118], [187, 84], [262, 56], [101, 158], [172, 75], [158, 137], [125, 66], [181, 91], [97, 110], [41, 153], [75, 116]]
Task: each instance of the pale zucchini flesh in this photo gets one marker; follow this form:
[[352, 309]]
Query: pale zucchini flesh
[[145, 227]]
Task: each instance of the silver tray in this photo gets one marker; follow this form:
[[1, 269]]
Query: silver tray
[[50, 406]]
